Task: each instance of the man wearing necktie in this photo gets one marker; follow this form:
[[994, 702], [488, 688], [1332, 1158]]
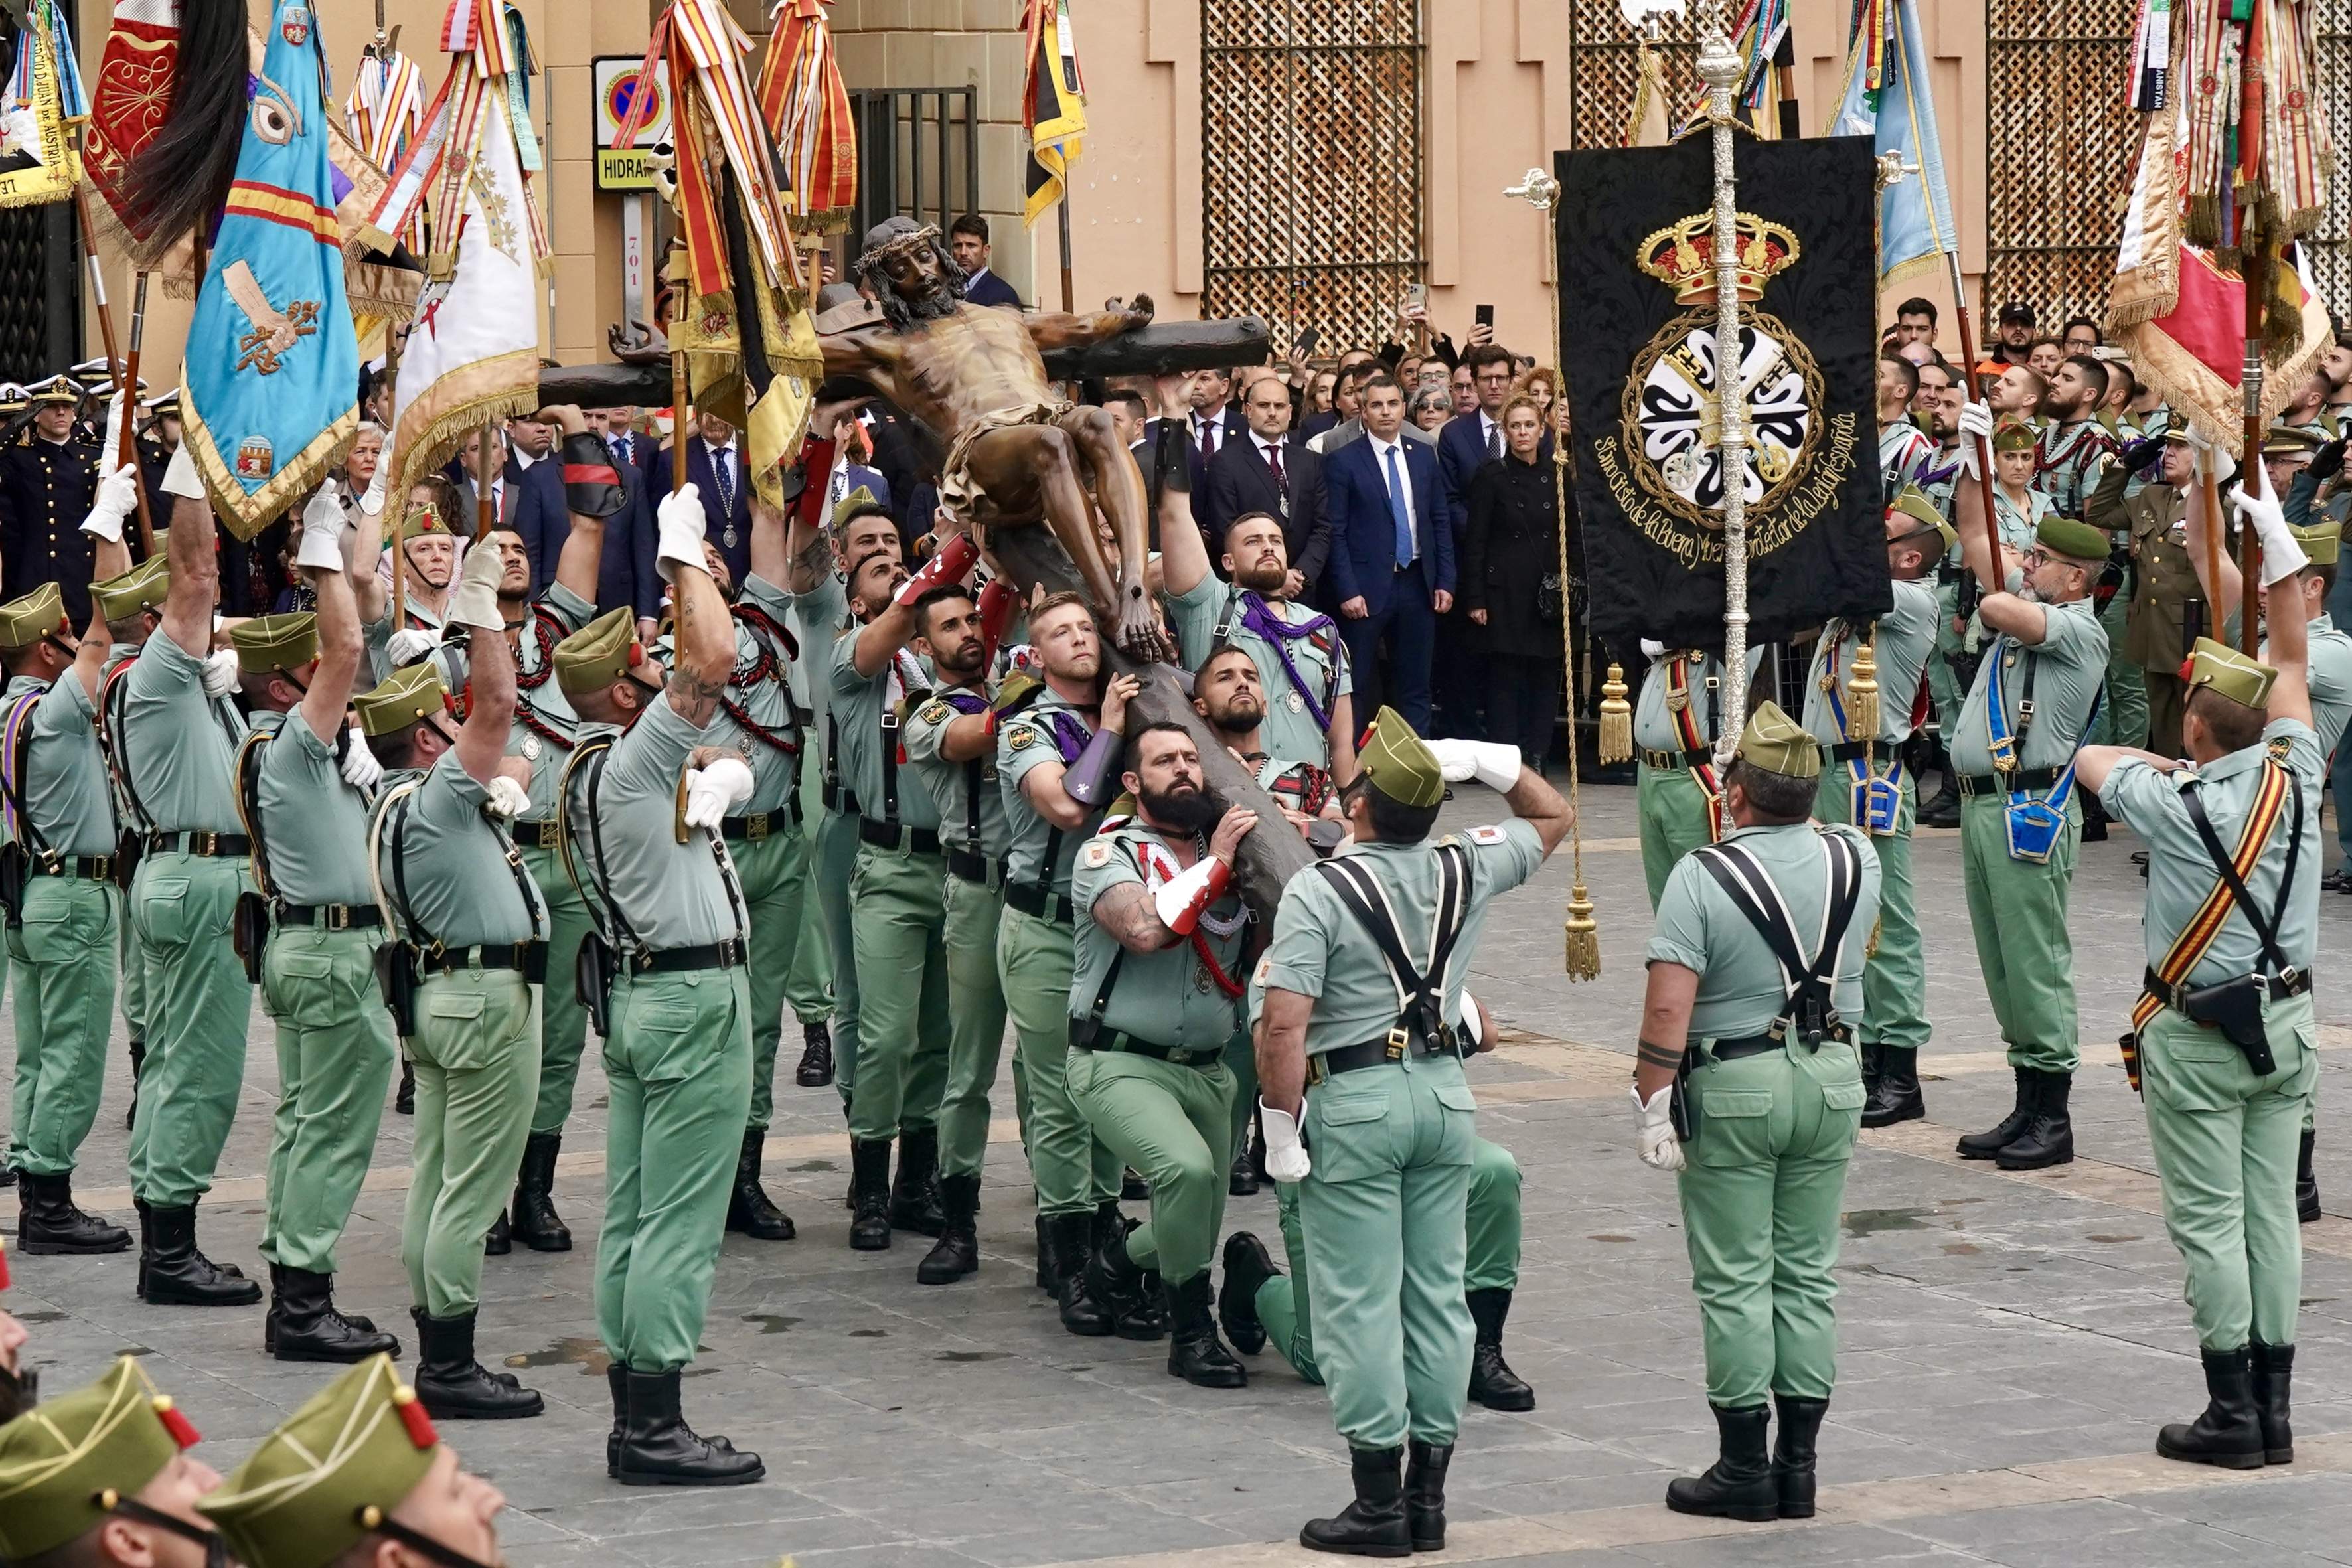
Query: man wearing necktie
[[715, 466], [1390, 569], [1215, 423], [1268, 469], [1466, 444]]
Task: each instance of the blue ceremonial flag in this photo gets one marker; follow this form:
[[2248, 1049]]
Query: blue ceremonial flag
[[270, 387], [1887, 96]]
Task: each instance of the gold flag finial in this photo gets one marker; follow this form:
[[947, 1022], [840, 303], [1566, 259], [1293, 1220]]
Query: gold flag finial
[[1616, 718]]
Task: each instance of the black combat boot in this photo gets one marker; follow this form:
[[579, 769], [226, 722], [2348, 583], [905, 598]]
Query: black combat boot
[[657, 1448], [452, 1385], [2230, 1433], [1425, 1493], [617, 1380], [957, 1251], [1138, 1313], [1739, 1484], [1374, 1524], [1081, 1312], [1792, 1452], [1242, 1179], [748, 1211], [48, 1221], [499, 1241], [1993, 1140], [1944, 810], [269, 1318], [403, 1098], [1248, 1264], [1119, 1283], [2306, 1183], [2049, 1138], [915, 1196], [816, 1055], [308, 1327], [1194, 1351], [1049, 1273], [146, 1242], [1871, 1058], [536, 1224], [1132, 1187], [175, 1273], [1896, 1096], [138, 1064], [869, 1179], [2273, 1376], [1493, 1383]]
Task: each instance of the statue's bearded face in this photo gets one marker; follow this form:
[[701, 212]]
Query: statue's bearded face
[[916, 283]]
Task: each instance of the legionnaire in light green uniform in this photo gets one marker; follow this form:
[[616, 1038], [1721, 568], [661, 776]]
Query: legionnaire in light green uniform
[[1674, 722], [428, 552], [357, 1467], [101, 1476], [2224, 1030], [2020, 822], [303, 787], [1151, 1016], [2157, 631], [1937, 478], [173, 735], [472, 927], [643, 799], [1391, 1119], [1892, 1023], [1749, 1000]]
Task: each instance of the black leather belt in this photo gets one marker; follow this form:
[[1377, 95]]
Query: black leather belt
[[2010, 783], [1174, 1056], [332, 916], [727, 954], [548, 834], [2173, 997], [975, 868], [1041, 902], [759, 823], [529, 957], [839, 798], [891, 834], [1756, 1045], [200, 842], [1371, 1054], [90, 868], [1850, 750], [1672, 762]]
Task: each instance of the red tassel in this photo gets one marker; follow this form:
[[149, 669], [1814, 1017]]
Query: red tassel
[[413, 1417], [178, 1425], [4, 1267]]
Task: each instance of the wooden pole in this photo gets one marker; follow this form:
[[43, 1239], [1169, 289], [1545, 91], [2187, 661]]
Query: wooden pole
[[1784, 65], [1061, 212], [129, 451], [2253, 265], [486, 496], [681, 389], [1969, 374], [123, 385]]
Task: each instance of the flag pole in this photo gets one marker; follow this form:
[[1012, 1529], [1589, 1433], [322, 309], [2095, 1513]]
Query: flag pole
[[1719, 68], [1069, 294], [2253, 259], [123, 384]]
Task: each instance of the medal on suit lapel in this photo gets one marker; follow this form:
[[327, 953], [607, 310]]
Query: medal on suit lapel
[[727, 536]]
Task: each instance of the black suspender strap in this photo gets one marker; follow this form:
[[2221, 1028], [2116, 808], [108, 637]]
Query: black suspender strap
[[1421, 995], [12, 762], [2266, 930], [1809, 1007], [593, 754], [398, 805], [974, 776], [248, 803], [1093, 1025], [831, 748], [116, 702]]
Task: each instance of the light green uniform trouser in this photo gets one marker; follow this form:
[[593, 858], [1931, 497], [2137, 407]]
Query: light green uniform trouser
[[1943, 686], [2225, 1153], [808, 989], [563, 1021], [1491, 1255], [134, 992], [1171, 1124], [1894, 979], [200, 1005], [975, 1024], [476, 1055], [680, 1063], [1072, 1169], [2124, 715], [1384, 1215], [774, 873], [1673, 822], [1241, 1060], [2018, 910], [64, 1005], [334, 1058], [897, 904], [833, 848], [1761, 1200]]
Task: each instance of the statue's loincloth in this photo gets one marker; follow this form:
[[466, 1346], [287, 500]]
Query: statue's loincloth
[[962, 499]]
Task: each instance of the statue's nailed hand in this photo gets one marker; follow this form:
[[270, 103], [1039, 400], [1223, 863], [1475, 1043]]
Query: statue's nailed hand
[[639, 342], [1140, 311]]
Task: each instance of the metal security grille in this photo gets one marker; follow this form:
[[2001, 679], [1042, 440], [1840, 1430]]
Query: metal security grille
[[1311, 164], [2326, 252], [1607, 68], [40, 277], [2060, 144]]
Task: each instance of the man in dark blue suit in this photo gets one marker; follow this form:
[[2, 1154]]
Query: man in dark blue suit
[[714, 466], [1390, 571], [1466, 444], [1270, 470], [967, 238], [627, 575]]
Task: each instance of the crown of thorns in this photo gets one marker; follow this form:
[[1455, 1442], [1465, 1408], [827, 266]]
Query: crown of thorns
[[922, 238]]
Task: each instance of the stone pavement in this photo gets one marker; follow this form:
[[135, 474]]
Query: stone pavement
[[2010, 1342]]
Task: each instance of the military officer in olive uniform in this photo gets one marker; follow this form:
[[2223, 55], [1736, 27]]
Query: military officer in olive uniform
[[473, 930], [100, 1478], [2158, 631], [2224, 1029], [1391, 1119], [1675, 717], [1746, 1013], [46, 487], [645, 798]]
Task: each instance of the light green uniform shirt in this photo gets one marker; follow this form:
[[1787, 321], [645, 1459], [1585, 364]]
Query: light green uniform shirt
[[670, 894], [2069, 663], [1654, 725], [545, 701], [869, 759], [1167, 997], [314, 826], [1906, 636], [65, 785], [1740, 987], [1321, 950], [452, 860], [2330, 674], [963, 793], [178, 744], [1289, 733], [765, 698], [2017, 527], [818, 618], [376, 636], [1022, 743], [2181, 873]]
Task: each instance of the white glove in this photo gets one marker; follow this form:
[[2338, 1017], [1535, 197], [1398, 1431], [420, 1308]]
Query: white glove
[[1455, 763], [408, 645], [679, 525], [1493, 764], [507, 798], [361, 769], [711, 791], [113, 430], [2260, 511], [1285, 1156], [220, 674], [117, 498], [1976, 425], [1473, 1025], [371, 499], [475, 602], [179, 475], [323, 533], [1659, 1148], [1652, 647]]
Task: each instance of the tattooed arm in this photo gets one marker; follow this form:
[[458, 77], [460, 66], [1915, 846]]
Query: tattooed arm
[[1125, 910], [706, 646], [1665, 1024]]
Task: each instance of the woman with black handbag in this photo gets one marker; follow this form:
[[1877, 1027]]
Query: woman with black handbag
[[1510, 583]]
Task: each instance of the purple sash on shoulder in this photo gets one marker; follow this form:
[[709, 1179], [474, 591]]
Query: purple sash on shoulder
[[1070, 733], [1279, 635]]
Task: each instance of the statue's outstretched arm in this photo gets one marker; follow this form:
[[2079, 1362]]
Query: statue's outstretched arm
[[1053, 330]]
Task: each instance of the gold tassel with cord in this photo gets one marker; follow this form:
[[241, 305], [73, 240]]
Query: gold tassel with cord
[[1583, 936], [1616, 719], [1862, 689]]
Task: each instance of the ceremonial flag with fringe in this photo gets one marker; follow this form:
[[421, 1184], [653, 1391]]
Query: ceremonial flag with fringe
[[1887, 96], [383, 111], [1053, 104], [270, 395], [1646, 125], [1756, 34], [807, 109], [43, 98], [126, 110]]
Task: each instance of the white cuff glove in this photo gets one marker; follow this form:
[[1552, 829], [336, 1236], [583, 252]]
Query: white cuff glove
[[1455, 763], [179, 475], [1285, 1156], [221, 673], [117, 498], [1493, 764], [678, 525], [507, 798], [113, 430], [475, 602], [1655, 1141], [1652, 647], [371, 499], [711, 791], [2260, 511], [1474, 1024], [361, 769], [1976, 425], [323, 533], [409, 644]]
